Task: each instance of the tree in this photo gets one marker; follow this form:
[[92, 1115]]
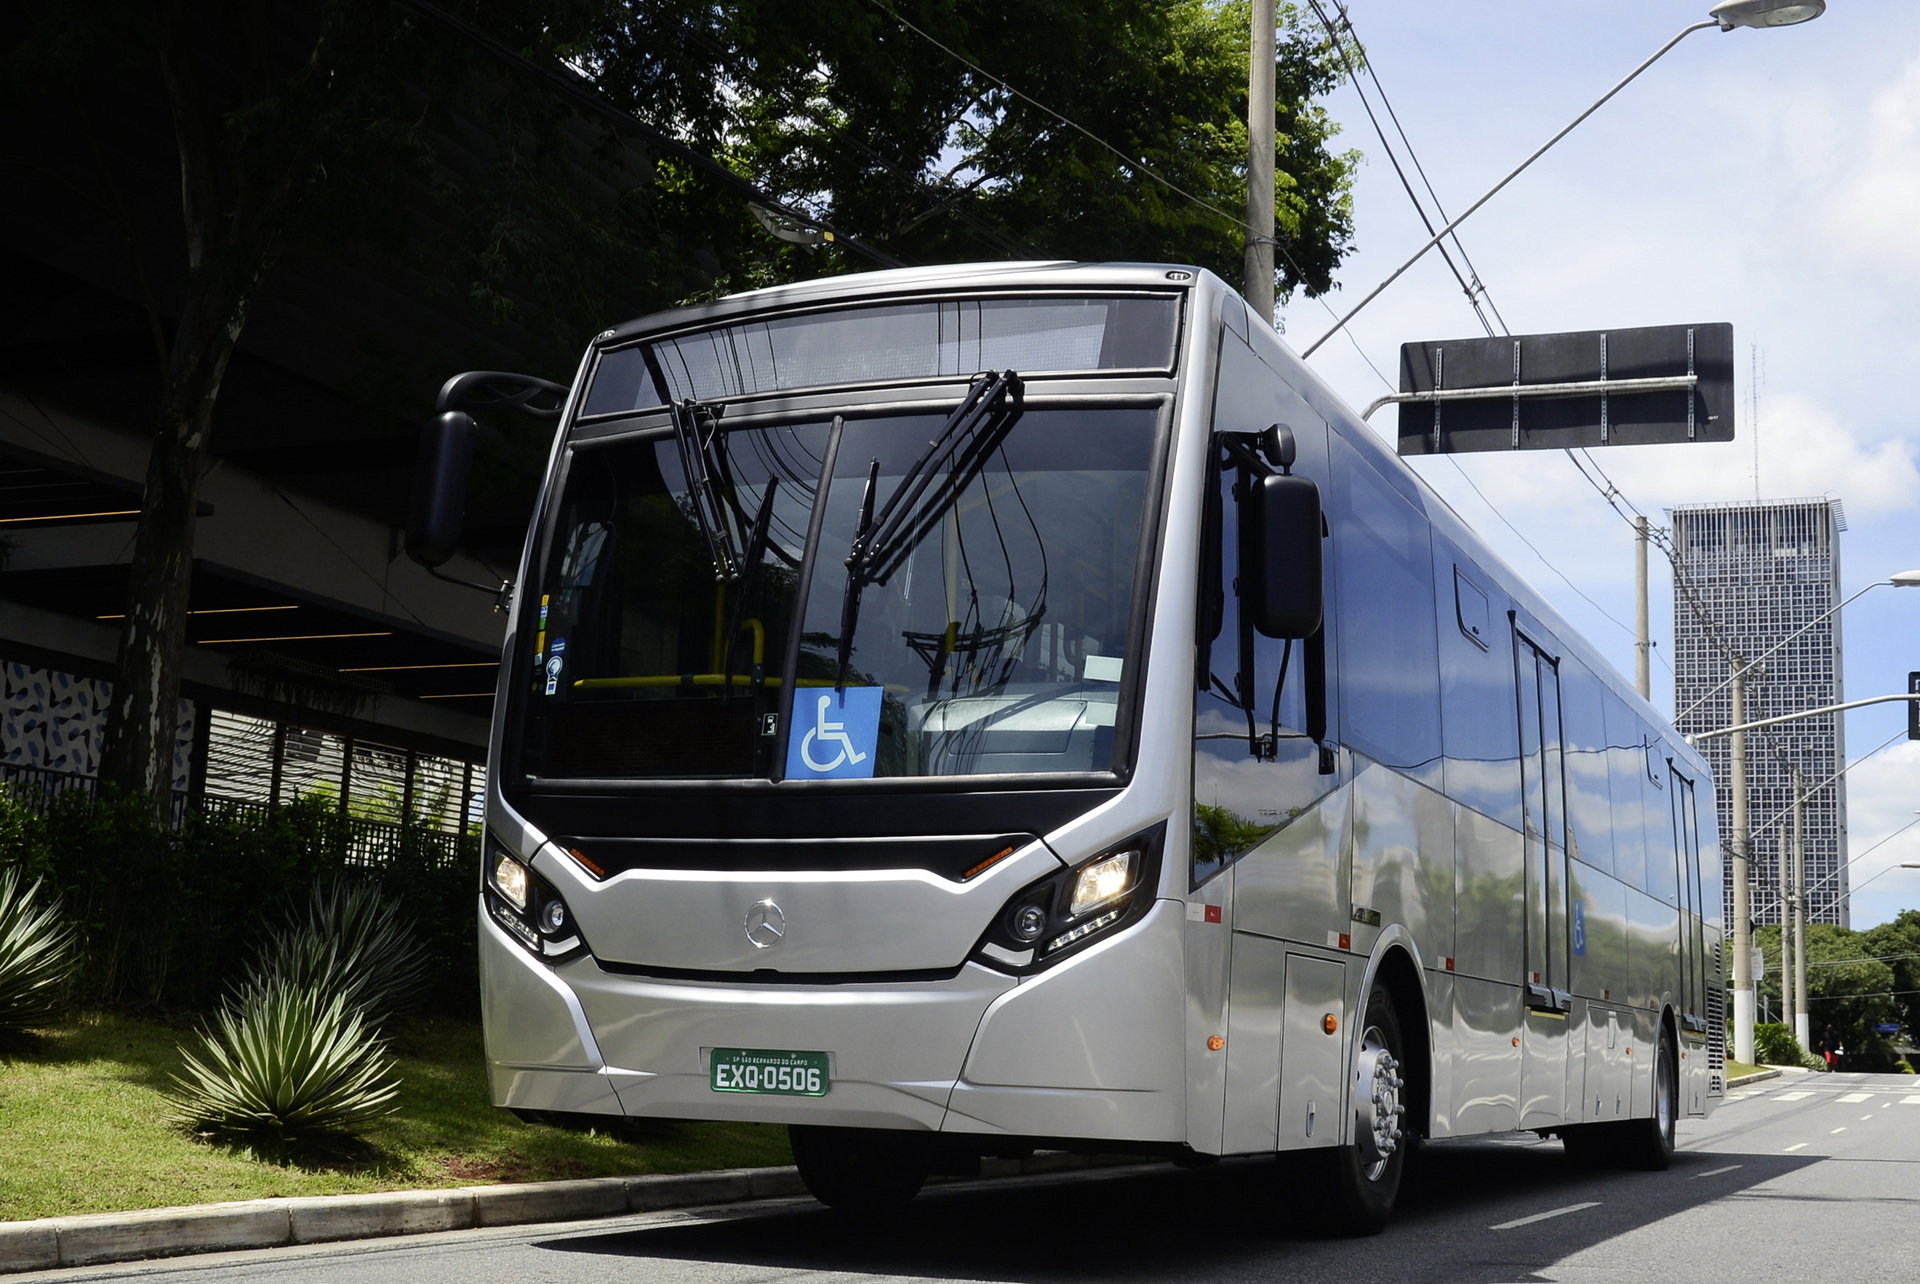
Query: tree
[[299, 123], [1847, 984]]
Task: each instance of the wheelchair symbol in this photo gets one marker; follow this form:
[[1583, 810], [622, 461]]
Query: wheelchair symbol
[[824, 731]]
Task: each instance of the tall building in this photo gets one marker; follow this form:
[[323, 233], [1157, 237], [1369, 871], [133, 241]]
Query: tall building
[[1750, 576]]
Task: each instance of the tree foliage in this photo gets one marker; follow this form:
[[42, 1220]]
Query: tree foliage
[[1848, 985], [367, 123]]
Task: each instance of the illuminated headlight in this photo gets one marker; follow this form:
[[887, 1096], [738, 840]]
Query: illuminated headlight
[[1074, 907], [510, 877], [1101, 881]]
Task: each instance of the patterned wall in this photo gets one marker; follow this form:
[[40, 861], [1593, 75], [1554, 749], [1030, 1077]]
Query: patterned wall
[[53, 721]]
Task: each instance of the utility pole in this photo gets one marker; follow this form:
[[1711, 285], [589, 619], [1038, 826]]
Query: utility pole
[[1258, 286], [1742, 904], [1642, 643], [1802, 1027], [1786, 938]]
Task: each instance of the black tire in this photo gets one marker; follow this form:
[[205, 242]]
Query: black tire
[[1358, 1196], [861, 1170], [1591, 1145], [1648, 1143]]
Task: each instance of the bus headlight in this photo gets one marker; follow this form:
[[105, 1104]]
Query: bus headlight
[[1101, 881], [528, 907], [510, 877], [1049, 919]]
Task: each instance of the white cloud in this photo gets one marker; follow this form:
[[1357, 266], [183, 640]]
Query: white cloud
[[1869, 216]]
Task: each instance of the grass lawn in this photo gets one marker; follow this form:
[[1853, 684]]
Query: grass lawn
[[1737, 1068], [84, 1129]]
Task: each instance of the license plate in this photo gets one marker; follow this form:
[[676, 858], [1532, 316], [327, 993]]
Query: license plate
[[787, 1074]]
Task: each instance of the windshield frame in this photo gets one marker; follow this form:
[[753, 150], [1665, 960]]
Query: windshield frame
[[1157, 393], [1171, 370]]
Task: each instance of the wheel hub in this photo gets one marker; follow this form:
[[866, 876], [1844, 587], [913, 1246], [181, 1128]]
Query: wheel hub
[[1377, 1085]]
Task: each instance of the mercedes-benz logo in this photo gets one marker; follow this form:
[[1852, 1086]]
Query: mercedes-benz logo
[[765, 925]]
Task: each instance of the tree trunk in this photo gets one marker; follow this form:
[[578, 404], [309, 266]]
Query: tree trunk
[[236, 196]]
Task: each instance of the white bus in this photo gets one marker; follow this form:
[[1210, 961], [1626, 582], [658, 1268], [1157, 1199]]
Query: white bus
[[957, 711]]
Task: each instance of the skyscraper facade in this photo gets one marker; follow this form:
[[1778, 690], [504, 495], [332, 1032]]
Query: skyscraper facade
[[1748, 577]]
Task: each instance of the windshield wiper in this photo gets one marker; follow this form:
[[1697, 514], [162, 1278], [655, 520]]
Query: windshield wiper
[[749, 589], [696, 430], [963, 444]]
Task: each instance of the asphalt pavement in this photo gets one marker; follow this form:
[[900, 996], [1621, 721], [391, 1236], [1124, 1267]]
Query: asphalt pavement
[[1801, 1178]]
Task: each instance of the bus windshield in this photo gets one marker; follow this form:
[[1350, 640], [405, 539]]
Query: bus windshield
[[989, 635]]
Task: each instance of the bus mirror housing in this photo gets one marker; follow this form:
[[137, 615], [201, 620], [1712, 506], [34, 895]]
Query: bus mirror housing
[[439, 504], [1280, 565]]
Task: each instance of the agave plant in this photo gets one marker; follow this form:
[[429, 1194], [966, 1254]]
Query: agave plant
[[349, 942], [38, 953], [286, 1065]]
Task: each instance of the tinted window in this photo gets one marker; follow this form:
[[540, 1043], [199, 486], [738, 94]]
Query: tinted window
[[1389, 665], [886, 342]]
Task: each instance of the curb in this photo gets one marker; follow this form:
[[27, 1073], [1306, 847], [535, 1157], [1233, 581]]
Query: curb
[[96, 1238], [1758, 1076]]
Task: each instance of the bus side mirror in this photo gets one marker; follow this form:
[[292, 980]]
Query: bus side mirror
[[1280, 563], [440, 470]]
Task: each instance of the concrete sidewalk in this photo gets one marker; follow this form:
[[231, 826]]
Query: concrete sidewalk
[[272, 1223]]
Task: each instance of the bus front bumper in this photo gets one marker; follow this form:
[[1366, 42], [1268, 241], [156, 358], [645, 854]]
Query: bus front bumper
[[1088, 1049]]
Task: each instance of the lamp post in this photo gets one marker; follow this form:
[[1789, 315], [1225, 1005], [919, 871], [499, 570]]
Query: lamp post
[[1905, 579], [1727, 15]]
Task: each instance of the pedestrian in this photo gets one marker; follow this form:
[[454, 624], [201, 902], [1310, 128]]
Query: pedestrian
[[1830, 1046]]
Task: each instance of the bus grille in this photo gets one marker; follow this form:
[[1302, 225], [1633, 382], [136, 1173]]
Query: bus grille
[[1716, 1029]]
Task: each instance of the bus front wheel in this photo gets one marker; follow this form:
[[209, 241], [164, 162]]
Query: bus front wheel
[[860, 1170], [1365, 1177]]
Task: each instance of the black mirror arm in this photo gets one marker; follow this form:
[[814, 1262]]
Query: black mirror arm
[[501, 390], [502, 592], [1244, 455]]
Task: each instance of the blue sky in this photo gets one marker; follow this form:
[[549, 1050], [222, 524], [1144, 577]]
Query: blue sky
[[1767, 178]]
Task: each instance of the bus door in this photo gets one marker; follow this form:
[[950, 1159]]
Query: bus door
[[1543, 1073], [1692, 999]]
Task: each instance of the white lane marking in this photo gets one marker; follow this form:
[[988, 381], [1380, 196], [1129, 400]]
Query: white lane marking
[[1715, 1172], [1798, 1145], [1910, 1101], [1541, 1217], [1792, 1096], [1864, 1118], [1841, 1128], [1853, 1097]]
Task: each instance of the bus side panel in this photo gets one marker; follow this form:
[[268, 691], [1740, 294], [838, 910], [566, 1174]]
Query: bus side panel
[[1294, 886], [1488, 908], [1486, 1056], [1402, 861], [1653, 951]]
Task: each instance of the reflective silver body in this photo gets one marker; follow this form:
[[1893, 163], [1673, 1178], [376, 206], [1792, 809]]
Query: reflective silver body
[[1227, 1018]]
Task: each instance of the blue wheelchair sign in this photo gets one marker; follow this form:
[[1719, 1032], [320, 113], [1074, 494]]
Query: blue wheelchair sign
[[1579, 928], [835, 734]]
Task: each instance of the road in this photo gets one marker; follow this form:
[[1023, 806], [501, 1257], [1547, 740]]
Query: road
[[1806, 1178]]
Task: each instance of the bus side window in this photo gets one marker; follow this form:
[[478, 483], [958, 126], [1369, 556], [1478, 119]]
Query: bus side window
[[1389, 654], [1626, 772], [1247, 781]]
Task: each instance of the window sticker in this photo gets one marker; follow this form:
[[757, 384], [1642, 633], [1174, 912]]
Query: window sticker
[[834, 735], [1579, 928]]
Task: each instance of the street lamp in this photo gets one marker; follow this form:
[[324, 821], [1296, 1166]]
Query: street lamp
[[1726, 15], [1765, 13], [1905, 579]]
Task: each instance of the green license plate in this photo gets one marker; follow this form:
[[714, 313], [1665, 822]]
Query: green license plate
[[787, 1074]]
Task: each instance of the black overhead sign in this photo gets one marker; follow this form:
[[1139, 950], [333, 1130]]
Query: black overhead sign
[[1667, 383]]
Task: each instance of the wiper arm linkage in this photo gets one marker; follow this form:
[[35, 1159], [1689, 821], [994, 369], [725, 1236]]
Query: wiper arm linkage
[[699, 446], [881, 536]]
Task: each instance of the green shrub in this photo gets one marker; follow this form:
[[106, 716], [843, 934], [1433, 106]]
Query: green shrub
[[1774, 1045], [38, 955], [166, 917], [285, 1068], [347, 941]]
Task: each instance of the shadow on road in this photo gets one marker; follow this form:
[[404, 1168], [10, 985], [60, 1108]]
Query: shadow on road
[[1240, 1221]]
